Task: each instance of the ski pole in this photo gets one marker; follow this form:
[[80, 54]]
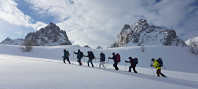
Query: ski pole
[[152, 68], [84, 61], [153, 71], [164, 67], [107, 63], [95, 62], [73, 58], [125, 66]]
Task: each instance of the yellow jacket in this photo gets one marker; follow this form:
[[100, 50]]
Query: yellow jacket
[[156, 65]]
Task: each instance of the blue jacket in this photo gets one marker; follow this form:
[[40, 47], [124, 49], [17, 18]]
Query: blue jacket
[[66, 54], [79, 54]]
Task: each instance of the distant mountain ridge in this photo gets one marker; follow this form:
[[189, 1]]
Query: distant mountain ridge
[[142, 34], [12, 41], [50, 35]]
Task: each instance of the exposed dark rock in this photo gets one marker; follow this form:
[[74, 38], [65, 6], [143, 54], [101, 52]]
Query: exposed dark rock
[[142, 34]]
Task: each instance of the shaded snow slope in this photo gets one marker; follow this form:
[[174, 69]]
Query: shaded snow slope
[[19, 72]]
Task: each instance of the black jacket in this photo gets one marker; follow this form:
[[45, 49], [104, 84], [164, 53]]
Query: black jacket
[[114, 58], [90, 56], [132, 62]]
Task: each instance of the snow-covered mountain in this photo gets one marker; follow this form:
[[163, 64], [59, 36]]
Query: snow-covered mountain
[[192, 42], [12, 41], [142, 34], [99, 47], [87, 46], [49, 36]]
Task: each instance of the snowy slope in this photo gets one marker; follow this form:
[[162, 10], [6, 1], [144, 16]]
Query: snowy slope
[[195, 39], [19, 72], [43, 66], [179, 56]]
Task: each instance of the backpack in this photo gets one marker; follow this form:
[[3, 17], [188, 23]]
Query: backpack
[[118, 57], [135, 61], [81, 54], [160, 61], [103, 57], [67, 53], [92, 55]]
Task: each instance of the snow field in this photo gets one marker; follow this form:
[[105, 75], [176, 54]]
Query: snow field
[[46, 61], [23, 73]]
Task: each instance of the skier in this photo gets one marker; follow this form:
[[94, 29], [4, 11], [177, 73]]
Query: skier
[[157, 66], [102, 60], [91, 57], [66, 56], [115, 61], [79, 56], [133, 64]]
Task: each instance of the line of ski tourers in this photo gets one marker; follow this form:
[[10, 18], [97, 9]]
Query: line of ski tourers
[[157, 63]]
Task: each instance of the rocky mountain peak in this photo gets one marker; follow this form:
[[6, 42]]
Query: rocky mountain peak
[[50, 35], [99, 47], [142, 34], [87, 46], [7, 39], [52, 23], [126, 26]]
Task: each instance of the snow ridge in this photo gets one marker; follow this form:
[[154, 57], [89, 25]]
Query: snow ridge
[[142, 34]]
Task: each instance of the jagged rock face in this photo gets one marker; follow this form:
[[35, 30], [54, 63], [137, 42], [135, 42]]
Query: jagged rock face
[[12, 42], [49, 36], [99, 47], [142, 34]]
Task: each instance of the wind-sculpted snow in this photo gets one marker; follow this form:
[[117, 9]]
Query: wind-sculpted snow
[[142, 34]]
